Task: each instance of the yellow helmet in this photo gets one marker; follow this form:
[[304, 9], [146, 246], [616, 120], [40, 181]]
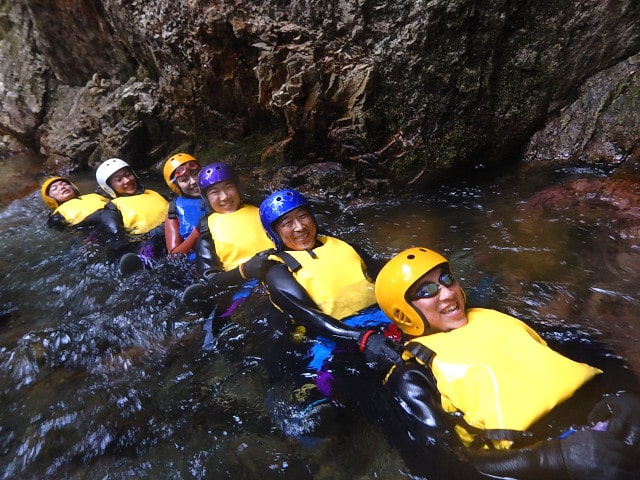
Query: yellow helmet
[[48, 200], [394, 281], [170, 167]]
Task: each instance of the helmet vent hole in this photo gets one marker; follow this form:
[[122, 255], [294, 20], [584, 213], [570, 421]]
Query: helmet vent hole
[[401, 317]]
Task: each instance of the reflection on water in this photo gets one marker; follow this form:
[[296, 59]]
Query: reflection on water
[[104, 376]]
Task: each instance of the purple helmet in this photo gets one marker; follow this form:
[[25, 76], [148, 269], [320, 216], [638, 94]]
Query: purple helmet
[[214, 173]]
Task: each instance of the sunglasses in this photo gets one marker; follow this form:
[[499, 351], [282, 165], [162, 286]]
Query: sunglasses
[[430, 289], [189, 167]]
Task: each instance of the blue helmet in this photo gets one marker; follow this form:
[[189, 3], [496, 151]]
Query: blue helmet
[[275, 206], [214, 173]]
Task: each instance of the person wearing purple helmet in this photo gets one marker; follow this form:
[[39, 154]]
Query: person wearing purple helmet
[[231, 235]]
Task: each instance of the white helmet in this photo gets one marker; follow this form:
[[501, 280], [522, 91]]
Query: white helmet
[[108, 168]]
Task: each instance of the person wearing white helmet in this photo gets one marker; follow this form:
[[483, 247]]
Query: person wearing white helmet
[[475, 393], [68, 207], [135, 210]]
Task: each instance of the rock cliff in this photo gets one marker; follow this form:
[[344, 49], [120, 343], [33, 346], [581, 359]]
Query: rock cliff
[[411, 90]]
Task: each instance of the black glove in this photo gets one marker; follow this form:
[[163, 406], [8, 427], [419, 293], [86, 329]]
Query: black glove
[[56, 221], [258, 265], [590, 454], [622, 412], [378, 349]]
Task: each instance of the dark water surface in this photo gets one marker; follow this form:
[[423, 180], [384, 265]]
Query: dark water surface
[[105, 377]]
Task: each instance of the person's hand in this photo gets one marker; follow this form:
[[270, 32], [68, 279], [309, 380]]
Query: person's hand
[[209, 276], [621, 413], [590, 454], [378, 349], [257, 266]]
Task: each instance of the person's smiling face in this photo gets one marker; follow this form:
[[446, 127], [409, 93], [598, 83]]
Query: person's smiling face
[[61, 191], [444, 309], [224, 196], [188, 181], [123, 182], [297, 229]]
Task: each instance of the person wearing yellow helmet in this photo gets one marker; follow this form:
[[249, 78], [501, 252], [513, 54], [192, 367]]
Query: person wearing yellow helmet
[[180, 173], [68, 207], [474, 382]]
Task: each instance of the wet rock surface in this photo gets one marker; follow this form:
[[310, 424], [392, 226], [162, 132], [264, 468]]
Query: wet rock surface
[[406, 91]]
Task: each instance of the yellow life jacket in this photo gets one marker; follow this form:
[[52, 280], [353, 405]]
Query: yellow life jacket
[[238, 235], [333, 275], [74, 211], [499, 373], [143, 212]]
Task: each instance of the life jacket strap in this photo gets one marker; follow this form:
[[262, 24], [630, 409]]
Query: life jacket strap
[[289, 261], [487, 438], [203, 226], [172, 210], [422, 354]]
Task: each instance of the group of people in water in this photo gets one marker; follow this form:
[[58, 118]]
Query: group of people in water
[[471, 385]]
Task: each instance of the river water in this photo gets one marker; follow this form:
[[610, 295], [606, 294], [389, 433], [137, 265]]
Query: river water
[[106, 377]]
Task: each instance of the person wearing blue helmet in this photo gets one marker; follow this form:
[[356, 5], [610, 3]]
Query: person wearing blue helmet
[[228, 251], [332, 272], [325, 284]]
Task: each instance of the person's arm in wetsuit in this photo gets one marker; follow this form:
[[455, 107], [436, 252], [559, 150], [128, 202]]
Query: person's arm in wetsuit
[[289, 296], [174, 241], [209, 266], [108, 220]]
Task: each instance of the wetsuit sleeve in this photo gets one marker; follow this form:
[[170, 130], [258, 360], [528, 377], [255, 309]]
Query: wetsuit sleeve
[[219, 279], [206, 256], [109, 225], [174, 241], [413, 388], [287, 294]]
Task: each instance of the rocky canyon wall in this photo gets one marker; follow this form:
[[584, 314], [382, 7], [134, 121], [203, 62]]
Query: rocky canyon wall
[[411, 90]]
